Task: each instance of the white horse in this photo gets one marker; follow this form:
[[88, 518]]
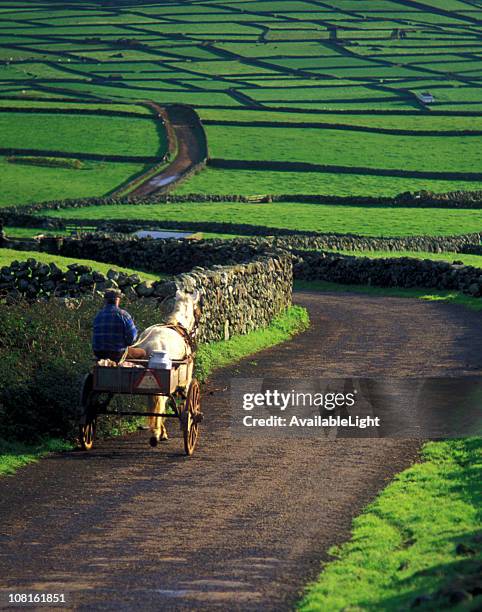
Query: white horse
[[182, 312]]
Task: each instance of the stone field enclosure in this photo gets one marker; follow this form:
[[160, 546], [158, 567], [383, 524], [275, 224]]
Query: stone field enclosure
[[317, 116], [337, 87], [349, 101], [334, 122]]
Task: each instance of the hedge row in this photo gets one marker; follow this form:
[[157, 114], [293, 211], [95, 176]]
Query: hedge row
[[40, 398], [145, 159]]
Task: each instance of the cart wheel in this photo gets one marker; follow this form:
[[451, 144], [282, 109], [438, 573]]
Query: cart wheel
[[88, 419], [191, 417], [87, 431]]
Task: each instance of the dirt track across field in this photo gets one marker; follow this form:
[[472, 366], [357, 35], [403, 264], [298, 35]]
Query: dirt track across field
[[244, 523], [191, 150]]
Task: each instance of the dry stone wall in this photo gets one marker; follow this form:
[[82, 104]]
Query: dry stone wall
[[463, 243], [161, 255], [235, 298], [22, 214], [243, 283], [310, 260], [402, 272], [240, 298]]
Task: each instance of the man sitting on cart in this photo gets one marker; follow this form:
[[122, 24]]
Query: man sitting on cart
[[114, 331]]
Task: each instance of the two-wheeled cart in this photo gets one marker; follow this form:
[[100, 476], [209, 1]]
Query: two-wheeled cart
[[177, 384]]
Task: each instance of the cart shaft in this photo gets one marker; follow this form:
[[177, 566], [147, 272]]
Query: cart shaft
[[134, 413]]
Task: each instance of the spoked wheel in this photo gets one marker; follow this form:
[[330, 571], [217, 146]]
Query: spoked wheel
[[88, 417], [191, 417], [87, 431]]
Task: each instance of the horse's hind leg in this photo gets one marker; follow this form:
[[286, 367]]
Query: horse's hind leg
[[158, 429]]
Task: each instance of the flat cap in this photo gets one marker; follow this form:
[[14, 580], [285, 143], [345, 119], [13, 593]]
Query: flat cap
[[112, 294]]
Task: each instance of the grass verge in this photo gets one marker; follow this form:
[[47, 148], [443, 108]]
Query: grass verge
[[14, 455], [218, 354], [418, 545], [433, 295]]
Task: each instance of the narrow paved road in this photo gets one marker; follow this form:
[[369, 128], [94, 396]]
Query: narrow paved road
[[244, 523]]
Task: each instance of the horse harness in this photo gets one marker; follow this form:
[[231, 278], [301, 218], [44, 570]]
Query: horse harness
[[186, 335]]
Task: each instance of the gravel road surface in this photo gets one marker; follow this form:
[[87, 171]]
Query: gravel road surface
[[244, 523]]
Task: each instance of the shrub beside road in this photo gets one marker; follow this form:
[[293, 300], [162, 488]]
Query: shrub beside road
[[38, 400]]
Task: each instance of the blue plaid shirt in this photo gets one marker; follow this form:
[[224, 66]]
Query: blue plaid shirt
[[114, 329]]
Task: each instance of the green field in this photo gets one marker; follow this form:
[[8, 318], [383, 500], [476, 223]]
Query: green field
[[73, 133], [25, 184], [31, 232], [254, 182], [415, 122], [346, 63], [347, 148], [307, 217], [9, 255], [366, 94], [81, 133]]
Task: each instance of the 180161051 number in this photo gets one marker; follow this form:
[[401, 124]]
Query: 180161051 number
[[27, 598]]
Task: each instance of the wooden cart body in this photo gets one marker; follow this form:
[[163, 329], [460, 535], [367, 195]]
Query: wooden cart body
[[142, 380], [177, 383]]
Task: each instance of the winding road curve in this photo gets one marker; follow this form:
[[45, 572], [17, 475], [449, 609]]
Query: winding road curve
[[244, 523]]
